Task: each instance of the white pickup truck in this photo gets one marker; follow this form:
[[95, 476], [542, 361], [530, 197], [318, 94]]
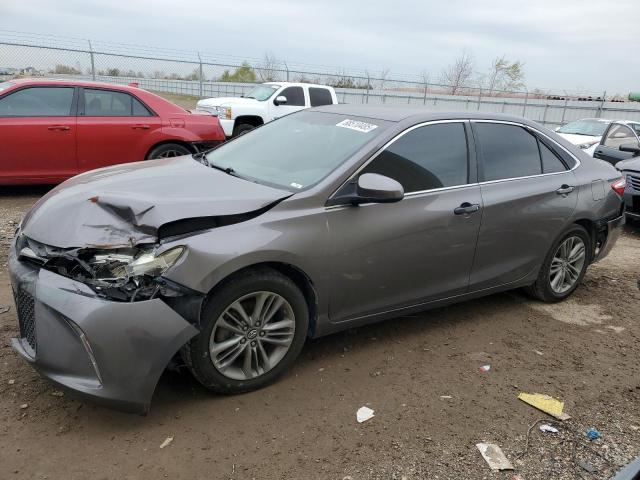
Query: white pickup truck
[[264, 103]]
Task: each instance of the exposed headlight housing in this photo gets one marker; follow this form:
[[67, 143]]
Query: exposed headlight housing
[[125, 265]]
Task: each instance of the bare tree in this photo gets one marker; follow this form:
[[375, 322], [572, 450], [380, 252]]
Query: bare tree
[[458, 75], [384, 74], [268, 68], [505, 75]]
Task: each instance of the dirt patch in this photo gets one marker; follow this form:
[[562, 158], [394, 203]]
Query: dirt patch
[[421, 374]]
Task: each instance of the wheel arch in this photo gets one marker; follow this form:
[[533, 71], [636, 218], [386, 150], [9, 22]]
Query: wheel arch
[[293, 273], [592, 229], [255, 120], [182, 143]]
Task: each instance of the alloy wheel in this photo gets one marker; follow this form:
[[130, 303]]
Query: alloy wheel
[[252, 335], [567, 264]]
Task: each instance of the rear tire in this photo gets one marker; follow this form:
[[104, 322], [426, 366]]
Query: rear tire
[[562, 271], [168, 150], [246, 347]]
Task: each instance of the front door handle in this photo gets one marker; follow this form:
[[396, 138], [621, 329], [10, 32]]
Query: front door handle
[[59, 127], [141, 126], [565, 189], [466, 207]]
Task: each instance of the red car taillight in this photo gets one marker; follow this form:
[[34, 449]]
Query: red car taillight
[[618, 186]]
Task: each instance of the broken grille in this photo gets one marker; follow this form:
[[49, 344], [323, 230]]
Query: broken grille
[[634, 182], [25, 307]]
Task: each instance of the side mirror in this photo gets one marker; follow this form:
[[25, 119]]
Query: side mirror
[[369, 188], [280, 100], [631, 148]]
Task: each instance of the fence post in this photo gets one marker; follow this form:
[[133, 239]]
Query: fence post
[[599, 113], [426, 87], [526, 99], [199, 76], [564, 109], [286, 67], [479, 98], [93, 65], [368, 87]]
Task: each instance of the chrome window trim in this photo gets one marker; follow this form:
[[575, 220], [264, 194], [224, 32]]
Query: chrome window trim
[[436, 190], [528, 127]]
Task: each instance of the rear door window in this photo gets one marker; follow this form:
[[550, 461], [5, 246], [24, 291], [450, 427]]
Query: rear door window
[[433, 156], [109, 103], [320, 96], [508, 151], [38, 102], [295, 96]]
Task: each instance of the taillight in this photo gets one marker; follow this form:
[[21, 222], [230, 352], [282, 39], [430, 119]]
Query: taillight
[[618, 186]]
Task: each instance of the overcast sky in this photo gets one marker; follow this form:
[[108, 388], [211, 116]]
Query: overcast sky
[[565, 44]]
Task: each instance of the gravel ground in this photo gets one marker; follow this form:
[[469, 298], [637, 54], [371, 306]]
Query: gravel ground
[[420, 374]]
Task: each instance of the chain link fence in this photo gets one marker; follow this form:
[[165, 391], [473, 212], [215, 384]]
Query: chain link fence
[[204, 75]]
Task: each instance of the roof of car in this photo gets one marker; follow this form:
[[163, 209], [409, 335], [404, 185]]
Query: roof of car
[[397, 114], [77, 83], [296, 84]]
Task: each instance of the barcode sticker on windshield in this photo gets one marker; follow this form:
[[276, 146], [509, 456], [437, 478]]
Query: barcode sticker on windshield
[[356, 125]]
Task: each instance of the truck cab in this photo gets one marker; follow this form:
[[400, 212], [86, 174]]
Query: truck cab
[[265, 102]]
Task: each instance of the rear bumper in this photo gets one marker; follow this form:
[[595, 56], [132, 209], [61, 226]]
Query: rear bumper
[[613, 229], [113, 352]]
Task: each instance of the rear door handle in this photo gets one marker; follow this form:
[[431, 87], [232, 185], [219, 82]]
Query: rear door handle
[[141, 126], [466, 207], [565, 189], [59, 127]]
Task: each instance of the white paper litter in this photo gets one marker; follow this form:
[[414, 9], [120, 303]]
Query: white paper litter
[[166, 442], [485, 368], [363, 414], [494, 457], [548, 428]]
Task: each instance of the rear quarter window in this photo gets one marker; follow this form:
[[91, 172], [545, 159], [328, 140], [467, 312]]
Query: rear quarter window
[[320, 96]]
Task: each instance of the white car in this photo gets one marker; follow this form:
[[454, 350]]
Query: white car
[[585, 133], [264, 103]]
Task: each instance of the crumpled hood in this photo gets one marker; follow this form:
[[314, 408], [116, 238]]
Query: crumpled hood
[[126, 204], [629, 164], [579, 139], [226, 101]]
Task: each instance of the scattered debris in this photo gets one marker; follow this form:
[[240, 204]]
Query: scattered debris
[[586, 466], [548, 429], [4, 308], [167, 442], [545, 403], [24, 406], [57, 393], [593, 434], [615, 329], [538, 352], [363, 414], [12, 381], [321, 369], [494, 457], [485, 368], [445, 397]]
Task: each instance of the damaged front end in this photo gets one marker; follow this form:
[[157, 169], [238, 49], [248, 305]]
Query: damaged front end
[[123, 274]]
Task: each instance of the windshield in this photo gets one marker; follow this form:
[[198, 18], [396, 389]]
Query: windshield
[[593, 128], [262, 92], [296, 151], [5, 85]]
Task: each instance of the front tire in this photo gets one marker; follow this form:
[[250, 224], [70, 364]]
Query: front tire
[[254, 328], [242, 128], [564, 266]]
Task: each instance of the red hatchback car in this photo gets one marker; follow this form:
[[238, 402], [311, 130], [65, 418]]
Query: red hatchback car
[[51, 130]]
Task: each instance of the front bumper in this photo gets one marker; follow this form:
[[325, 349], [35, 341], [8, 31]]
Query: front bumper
[[613, 229], [632, 203], [111, 351], [227, 126]]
